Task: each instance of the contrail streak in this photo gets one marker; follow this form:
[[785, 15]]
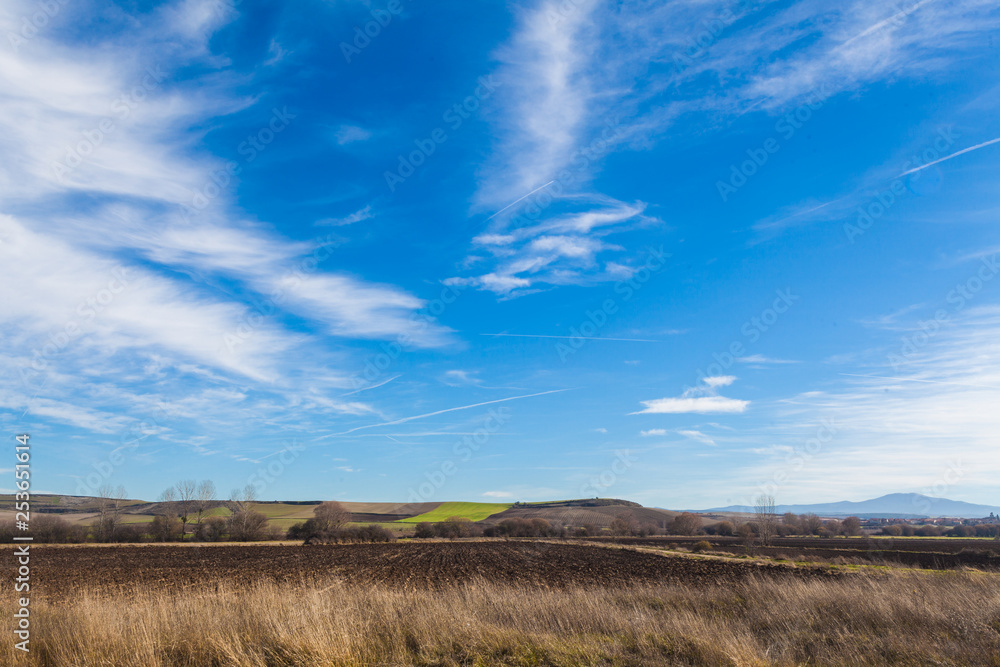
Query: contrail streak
[[440, 412], [626, 340], [524, 197], [948, 157], [957, 384], [374, 386], [892, 19]]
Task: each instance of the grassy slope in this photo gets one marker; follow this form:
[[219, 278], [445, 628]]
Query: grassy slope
[[471, 511]]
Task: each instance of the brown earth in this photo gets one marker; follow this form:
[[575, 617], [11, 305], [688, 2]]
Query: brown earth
[[925, 553], [63, 572]]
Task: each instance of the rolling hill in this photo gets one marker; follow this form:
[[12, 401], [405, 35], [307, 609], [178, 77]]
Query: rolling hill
[[402, 516], [893, 505]]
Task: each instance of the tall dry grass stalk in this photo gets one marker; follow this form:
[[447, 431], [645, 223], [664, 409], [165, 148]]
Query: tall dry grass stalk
[[940, 619]]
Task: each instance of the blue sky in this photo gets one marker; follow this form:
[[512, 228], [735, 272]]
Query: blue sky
[[680, 253]]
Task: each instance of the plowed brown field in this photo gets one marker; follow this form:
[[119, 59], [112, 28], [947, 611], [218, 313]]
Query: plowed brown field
[[61, 571]]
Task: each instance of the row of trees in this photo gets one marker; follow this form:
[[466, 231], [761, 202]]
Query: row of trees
[[181, 515], [329, 524], [907, 530]]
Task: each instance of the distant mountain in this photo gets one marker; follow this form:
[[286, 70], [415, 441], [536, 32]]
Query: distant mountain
[[894, 505]]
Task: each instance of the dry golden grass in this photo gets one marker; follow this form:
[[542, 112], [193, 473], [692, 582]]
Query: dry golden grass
[[897, 619]]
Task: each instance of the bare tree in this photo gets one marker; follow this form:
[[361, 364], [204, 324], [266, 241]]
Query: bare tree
[[330, 517], [747, 536], [811, 524], [685, 523], [766, 520], [185, 500], [245, 524], [204, 497], [109, 506], [241, 499], [851, 526]]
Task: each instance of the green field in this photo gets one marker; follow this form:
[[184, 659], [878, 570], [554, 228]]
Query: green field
[[471, 511]]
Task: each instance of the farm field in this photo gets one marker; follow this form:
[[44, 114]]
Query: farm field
[[489, 603], [927, 553], [466, 510], [574, 513], [420, 565]]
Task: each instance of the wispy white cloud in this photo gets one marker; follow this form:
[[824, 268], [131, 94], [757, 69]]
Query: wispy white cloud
[[762, 360], [561, 249], [498, 494], [930, 427], [103, 160], [653, 432], [569, 68], [699, 405], [719, 381], [459, 378], [349, 134], [699, 400], [699, 436], [358, 216]]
